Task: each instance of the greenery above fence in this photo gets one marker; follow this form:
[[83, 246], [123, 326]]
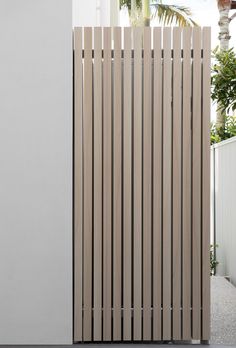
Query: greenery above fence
[[223, 92], [223, 80], [223, 133]]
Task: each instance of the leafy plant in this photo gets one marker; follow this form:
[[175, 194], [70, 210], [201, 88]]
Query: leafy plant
[[223, 80], [222, 133], [213, 261], [128, 3], [166, 13]]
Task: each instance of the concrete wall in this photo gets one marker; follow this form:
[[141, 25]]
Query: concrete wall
[[225, 207], [35, 171], [95, 13], [212, 211]]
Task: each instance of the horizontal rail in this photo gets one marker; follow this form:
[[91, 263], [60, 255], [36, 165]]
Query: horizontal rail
[[152, 53]]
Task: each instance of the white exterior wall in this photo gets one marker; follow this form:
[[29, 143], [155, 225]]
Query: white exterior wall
[[225, 207], [35, 172], [212, 211], [92, 13]]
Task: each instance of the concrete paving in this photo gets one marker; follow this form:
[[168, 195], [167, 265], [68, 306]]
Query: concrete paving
[[121, 345], [223, 312], [223, 322]]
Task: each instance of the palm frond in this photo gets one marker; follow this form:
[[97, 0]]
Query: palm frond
[[169, 14]]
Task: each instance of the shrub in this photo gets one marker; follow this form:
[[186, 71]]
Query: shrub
[[228, 131], [223, 80], [213, 261]]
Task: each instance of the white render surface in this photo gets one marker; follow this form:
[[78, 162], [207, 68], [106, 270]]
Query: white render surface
[[92, 13], [225, 207], [35, 172]]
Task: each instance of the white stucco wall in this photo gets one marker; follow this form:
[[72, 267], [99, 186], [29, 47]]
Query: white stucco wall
[[92, 13], [225, 207], [35, 172]]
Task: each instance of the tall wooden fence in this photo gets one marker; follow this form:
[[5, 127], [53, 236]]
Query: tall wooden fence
[[141, 184]]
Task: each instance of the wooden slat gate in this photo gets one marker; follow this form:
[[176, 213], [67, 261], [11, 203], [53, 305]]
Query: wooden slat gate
[[141, 184]]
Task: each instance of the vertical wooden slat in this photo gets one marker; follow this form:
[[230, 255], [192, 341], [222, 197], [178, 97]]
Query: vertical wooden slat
[[147, 184], [87, 141], [97, 276], [167, 155], [137, 185], [157, 186], [206, 43], [99, 214], [186, 203], [127, 203], [196, 186], [177, 156], [117, 187], [107, 185], [78, 187]]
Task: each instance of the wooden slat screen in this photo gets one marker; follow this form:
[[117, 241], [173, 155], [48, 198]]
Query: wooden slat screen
[[141, 184]]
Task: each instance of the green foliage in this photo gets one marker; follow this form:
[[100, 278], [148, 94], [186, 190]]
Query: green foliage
[[168, 14], [213, 261], [223, 80], [127, 3], [229, 130]]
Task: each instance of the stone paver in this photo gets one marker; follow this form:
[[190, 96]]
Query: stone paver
[[223, 312]]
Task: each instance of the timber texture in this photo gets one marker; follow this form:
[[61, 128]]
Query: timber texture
[[141, 184]]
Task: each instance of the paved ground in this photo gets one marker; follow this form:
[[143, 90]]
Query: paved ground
[[122, 345], [223, 322], [223, 312]]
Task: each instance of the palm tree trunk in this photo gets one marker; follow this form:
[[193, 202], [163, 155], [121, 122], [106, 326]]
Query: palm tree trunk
[[133, 10], [224, 8], [224, 37], [146, 12]]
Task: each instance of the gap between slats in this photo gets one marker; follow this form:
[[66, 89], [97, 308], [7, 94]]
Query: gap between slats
[[159, 290]]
